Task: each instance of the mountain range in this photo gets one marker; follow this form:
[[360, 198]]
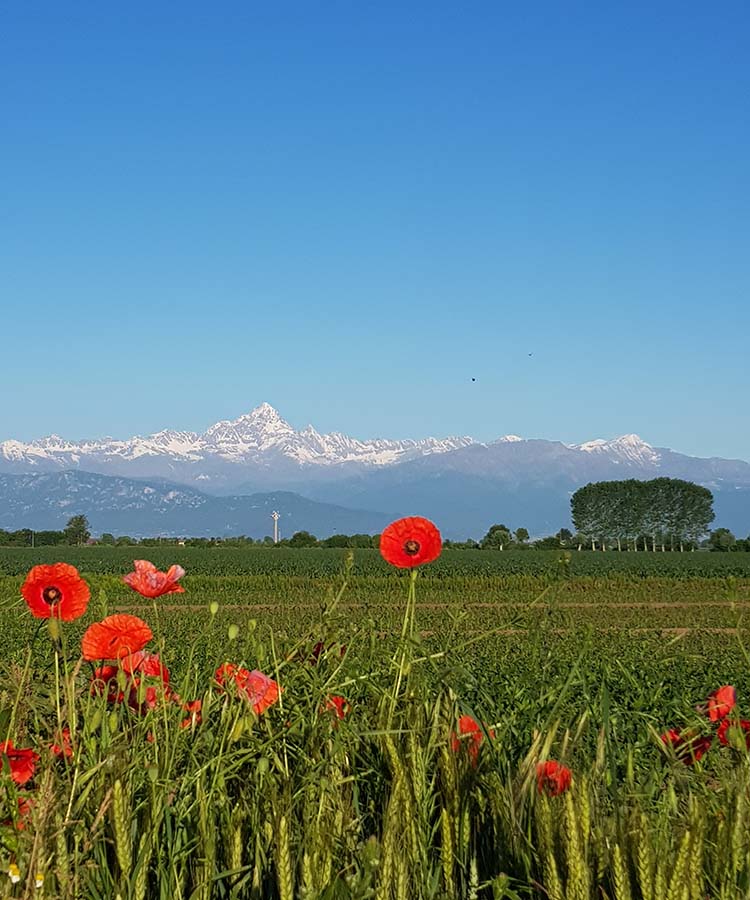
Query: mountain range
[[462, 483]]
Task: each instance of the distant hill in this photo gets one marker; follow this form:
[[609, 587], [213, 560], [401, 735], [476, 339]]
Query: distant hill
[[150, 508], [526, 483]]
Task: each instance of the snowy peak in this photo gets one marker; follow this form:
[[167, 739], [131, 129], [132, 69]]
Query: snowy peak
[[259, 428], [263, 437], [628, 448], [263, 430], [257, 437], [264, 419], [508, 439]]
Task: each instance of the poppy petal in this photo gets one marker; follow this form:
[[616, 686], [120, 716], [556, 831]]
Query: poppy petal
[[552, 778], [115, 637], [721, 702]]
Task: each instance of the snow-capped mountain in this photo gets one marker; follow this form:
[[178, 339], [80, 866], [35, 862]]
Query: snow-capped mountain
[[260, 436], [629, 448], [464, 484]]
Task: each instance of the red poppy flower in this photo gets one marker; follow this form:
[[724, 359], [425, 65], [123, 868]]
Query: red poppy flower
[[410, 542], [64, 748], [721, 702], [340, 706], [25, 809], [56, 591], [469, 726], [261, 691], [105, 679], [737, 729], [687, 746], [255, 687], [150, 582], [700, 746], [115, 637], [143, 696], [320, 649], [146, 664], [21, 762], [194, 708], [552, 778], [229, 672], [671, 738], [25, 806], [149, 680]]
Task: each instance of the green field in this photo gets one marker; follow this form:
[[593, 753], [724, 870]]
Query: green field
[[526, 616], [586, 659], [326, 562]]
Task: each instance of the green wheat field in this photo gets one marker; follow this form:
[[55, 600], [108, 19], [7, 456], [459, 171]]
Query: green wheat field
[[585, 659]]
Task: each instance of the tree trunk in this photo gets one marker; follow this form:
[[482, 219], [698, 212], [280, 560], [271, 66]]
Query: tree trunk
[[619, 546]]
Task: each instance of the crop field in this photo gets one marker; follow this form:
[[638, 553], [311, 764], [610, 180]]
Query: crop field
[[580, 661], [319, 562]]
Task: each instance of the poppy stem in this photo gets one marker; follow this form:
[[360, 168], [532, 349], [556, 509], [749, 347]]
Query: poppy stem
[[57, 690], [412, 600], [407, 631]]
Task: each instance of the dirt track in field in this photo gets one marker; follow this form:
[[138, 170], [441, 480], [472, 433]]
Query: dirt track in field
[[677, 604], [666, 631]]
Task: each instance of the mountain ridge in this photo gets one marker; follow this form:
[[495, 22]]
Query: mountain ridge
[[262, 432], [464, 484], [246, 439]]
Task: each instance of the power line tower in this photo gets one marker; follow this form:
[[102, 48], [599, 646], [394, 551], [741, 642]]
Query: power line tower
[[275, 516]]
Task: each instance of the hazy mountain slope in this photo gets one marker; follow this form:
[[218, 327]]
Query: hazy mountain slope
[[525, 483], [142, 508]]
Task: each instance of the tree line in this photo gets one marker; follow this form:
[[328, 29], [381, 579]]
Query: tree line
[[648, 514], [75, 533], [663, 513]]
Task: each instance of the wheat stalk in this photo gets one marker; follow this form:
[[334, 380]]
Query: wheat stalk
[[284, 860], [121, 820], [620, 874], [679, 882], [446, 852]]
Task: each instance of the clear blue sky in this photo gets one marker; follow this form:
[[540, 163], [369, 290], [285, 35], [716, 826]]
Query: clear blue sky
[[349, 210]]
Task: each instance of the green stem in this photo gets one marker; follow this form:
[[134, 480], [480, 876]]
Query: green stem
[[11, 725], [57, 695], [407, 631]]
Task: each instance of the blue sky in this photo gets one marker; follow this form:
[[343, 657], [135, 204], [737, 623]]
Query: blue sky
[[351, 210]]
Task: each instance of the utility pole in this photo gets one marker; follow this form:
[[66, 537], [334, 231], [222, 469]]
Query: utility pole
[[275, 516]]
